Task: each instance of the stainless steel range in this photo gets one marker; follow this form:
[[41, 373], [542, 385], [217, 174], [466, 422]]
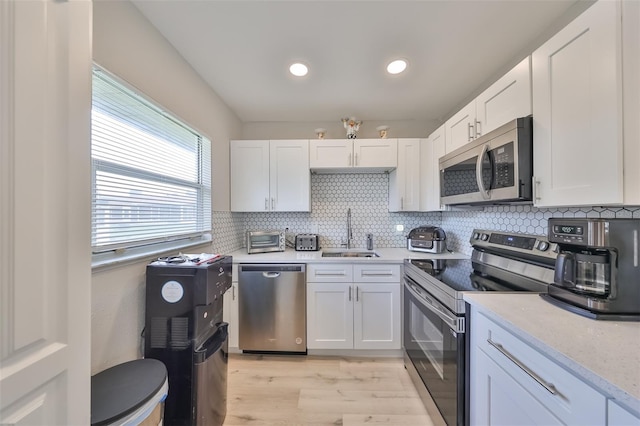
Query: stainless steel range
[[435, 324]]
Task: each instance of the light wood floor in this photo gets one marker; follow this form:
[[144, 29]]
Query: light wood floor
[[309, 390]]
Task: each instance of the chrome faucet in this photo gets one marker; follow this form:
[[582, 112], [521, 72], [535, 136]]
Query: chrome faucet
[[349, 230]]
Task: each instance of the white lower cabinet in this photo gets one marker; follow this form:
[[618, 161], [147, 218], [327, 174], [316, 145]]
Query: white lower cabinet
[[618, 416], [230, 309], [514, 383], [353, 306]]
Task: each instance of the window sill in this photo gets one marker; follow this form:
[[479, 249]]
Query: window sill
[[103, 261]]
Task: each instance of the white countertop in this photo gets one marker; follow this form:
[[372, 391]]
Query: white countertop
[[386, 255], [605, 354]]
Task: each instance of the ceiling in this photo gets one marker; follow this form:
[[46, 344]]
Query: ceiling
[[243, 49]]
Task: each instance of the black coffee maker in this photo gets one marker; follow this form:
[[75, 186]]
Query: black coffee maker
[[597, 271]]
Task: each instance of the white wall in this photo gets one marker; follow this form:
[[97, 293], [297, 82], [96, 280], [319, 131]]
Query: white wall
[[126, 44]]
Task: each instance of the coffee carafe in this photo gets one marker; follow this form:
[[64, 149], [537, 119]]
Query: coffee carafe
[[597, 272], [584, 272]]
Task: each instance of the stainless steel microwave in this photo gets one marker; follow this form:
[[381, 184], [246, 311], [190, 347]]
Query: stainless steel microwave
[[496, 168], [265, 241]]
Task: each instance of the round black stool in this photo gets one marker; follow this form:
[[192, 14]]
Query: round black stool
[[128, 393]]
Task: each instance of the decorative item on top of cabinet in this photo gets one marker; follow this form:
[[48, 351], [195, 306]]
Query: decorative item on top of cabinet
[[270, 176], [352, 127], [506, 99], [383, 131], [586, 141], [404, 181], [353, 155]]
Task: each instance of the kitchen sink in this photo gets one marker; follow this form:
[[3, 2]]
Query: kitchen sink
[[349, 253]]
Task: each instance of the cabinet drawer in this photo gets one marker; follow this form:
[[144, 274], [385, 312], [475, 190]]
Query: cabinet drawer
[[565, 395], [383, 273], [330, 273]]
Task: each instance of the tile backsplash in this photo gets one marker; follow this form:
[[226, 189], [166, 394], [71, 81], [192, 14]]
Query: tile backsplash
[[367, 197]]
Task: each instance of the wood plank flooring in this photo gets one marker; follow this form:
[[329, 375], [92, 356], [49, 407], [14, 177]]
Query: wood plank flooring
[[311, 390]]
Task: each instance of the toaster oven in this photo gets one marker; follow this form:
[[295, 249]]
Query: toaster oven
[[265, 241]]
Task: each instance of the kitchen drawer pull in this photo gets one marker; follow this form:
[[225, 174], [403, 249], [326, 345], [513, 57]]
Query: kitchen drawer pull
[[377, 273], [548, 386], [470, 132], [357, 294], [330, 273], [349, 293], [478, 129]]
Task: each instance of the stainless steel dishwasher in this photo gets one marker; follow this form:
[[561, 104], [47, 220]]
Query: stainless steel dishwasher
[[272, 308]]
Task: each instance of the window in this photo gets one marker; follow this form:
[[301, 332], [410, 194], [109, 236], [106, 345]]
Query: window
[[151, 173]]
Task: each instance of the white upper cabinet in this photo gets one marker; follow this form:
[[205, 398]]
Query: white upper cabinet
[[353, 155], [506, 99], [579, 139], [404, 181], [270, 176], [431, 149]]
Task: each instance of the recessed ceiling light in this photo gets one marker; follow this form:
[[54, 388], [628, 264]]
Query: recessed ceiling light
[[397, 66], [298, 69]]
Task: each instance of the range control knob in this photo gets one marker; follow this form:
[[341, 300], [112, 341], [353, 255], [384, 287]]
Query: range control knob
[[476, 235], [484, 237], [543, 246]]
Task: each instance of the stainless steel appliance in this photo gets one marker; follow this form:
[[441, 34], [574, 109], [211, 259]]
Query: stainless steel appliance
[[435, 322], [184, 330], [307, 242], [272, 308], [496, 168], [428, 239], [597, 272], [265, 241]]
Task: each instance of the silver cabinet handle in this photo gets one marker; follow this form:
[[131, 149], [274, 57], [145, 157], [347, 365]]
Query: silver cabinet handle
[[233, 292], [365, 273], [266, 204], [357, 294], [536, 189], [350, 160], [349, 293], [356, 162], [548, 386], [478, 129], [470, 131], [273, 203]]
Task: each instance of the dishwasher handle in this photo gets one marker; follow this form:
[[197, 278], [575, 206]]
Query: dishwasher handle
[[275, 267], [271, 274]]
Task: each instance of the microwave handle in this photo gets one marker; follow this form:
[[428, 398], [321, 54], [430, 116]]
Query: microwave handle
[[483, 191]]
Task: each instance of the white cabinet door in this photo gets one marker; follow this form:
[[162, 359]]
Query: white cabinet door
[[290, 179], [375, 153], [230, 310], [330, 153], [45, 205], [498, 399], [431, 150], [404, 181], [506, 99], [519, 378], [250, 176], [329, 315], [270, 175], [577, 103], [460, 128], [618, 416], [377, 316]]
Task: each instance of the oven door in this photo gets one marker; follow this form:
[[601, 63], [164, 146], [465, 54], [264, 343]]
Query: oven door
[[434, 342]]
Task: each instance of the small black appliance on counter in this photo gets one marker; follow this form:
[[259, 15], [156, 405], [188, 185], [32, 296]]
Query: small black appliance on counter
[[428, 239], [597, 271], [184, 330]]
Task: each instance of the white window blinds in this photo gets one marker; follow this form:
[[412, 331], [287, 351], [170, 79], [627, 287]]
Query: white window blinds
[[151, 173]]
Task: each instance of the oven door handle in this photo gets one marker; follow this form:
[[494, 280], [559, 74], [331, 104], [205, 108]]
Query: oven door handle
[[455, 323]]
